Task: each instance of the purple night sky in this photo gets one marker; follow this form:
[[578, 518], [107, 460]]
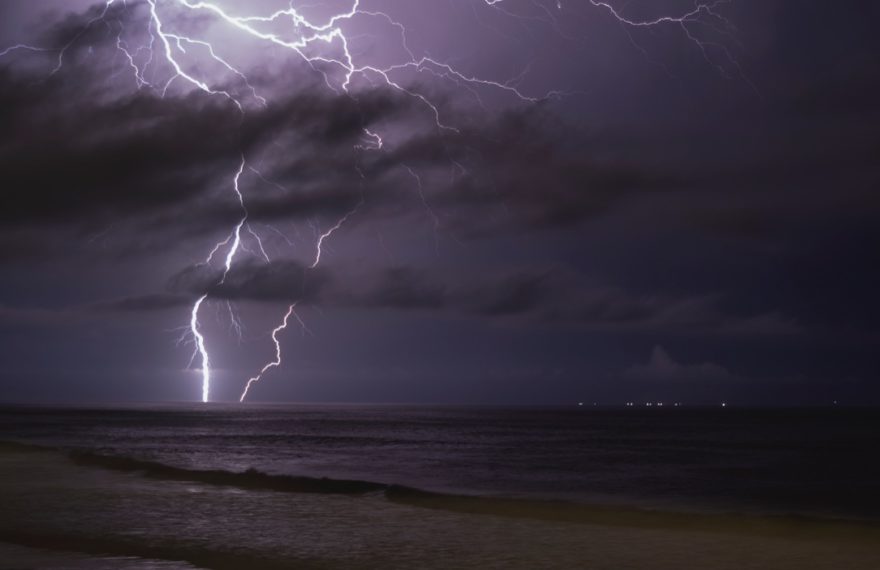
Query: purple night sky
[[518, 202]]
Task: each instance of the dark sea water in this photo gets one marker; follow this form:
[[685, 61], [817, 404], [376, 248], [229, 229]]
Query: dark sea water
[[382, 486]]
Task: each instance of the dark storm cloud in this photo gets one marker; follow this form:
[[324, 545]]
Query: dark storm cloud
[[539, 169], [74, 153], [65, 165], [404, 288], [78, 147], [685, 211], [139, 156], [553, 296]]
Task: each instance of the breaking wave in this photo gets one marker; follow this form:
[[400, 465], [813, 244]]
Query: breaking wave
[[522, 508]]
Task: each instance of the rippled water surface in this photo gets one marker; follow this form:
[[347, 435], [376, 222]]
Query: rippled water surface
[[441, 487]]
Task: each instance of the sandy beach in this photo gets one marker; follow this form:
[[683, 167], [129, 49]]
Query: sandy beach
[[88, 510]]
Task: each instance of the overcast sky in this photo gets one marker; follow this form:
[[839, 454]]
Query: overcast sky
[[681, 211]]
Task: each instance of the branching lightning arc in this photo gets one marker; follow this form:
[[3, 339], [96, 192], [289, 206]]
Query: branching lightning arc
[[164, 44]]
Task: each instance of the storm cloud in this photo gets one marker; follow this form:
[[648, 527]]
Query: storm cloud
[[647, 197]]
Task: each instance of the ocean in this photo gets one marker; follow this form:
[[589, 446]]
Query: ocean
[[284, 486]]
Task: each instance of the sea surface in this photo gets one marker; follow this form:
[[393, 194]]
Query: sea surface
[[438, 487]]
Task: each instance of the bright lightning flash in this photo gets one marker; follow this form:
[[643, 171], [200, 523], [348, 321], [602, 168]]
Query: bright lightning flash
[[167, 44], [277, 361]]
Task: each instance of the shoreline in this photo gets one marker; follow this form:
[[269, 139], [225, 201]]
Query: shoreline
[[789, 525]]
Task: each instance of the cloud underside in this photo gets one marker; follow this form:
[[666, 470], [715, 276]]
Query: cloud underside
[[549, 296], [82, 148]]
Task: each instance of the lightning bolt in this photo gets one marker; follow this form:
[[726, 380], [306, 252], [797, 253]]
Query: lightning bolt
[[325, 47], [235, 238], [200, 347], [277, 361], [323, 236], [703, 14], [25, 47]]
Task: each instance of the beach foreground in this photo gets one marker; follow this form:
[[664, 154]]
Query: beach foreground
[[81, 508]]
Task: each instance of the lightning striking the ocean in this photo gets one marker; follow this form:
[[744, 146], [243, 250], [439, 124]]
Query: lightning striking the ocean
[[200, 347], [165, 41], [277, 361]]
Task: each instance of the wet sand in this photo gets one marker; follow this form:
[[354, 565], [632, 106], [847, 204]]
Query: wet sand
[[79, 510]]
